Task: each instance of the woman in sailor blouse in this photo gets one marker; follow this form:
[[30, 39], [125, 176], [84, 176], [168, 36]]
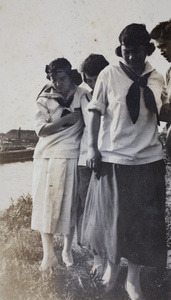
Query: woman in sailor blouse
[[59, 125], [125, 207]]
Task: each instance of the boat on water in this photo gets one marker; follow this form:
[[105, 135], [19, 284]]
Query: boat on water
[[17, 155]]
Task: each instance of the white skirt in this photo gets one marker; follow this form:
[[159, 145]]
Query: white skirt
[[55, 187]]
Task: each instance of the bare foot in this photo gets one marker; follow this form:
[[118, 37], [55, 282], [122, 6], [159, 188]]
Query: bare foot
[[48, 263], [169, 259], [134, 292], [110, 276], [67, 258], [97, 270]]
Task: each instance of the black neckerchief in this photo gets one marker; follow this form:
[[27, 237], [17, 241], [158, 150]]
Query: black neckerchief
[[133, 95], [50, 92], [65, 102]]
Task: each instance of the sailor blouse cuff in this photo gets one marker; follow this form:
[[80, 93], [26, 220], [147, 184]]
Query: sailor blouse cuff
[[96, 105]]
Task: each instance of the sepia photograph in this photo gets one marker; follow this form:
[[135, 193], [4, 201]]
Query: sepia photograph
[[85, 150]]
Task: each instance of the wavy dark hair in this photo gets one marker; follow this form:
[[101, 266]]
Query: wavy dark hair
[[93, 65], [62, 64], [135, 35], [163, 30]]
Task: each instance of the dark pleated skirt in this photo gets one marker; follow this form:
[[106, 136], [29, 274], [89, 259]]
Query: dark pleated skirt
[[125, 214]]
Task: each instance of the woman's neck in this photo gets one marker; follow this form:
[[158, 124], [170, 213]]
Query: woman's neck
[[139, 69], [67, 93]]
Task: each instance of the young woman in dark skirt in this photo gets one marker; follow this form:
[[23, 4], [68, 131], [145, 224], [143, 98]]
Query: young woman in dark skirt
[[125, 207]]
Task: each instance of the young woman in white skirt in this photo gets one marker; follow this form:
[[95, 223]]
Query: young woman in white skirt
[[125, 207], [59, 125]]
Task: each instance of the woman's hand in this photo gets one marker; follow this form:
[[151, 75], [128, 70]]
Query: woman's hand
[[53, 127], [93, 159], [72, 118]]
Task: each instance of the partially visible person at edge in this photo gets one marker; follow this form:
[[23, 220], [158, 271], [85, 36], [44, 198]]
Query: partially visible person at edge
[[59, 125], [124, 213], [90, 68], [162, 36]]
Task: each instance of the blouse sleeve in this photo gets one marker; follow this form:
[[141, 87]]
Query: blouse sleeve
[[42, 115], [99, 100]]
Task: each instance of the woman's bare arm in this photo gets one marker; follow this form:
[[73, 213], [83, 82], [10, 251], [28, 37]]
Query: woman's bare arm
[[53, 127], [94, 156]]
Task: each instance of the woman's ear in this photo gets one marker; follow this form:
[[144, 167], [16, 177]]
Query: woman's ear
[[118, 51]]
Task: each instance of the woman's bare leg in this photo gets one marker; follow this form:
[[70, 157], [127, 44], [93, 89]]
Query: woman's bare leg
[[110, 276], [49, 257], [67, 252], [132, 283]]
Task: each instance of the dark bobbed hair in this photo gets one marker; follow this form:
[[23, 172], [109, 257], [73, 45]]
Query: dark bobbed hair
[[58, 65], [163, 30], [93, 65], [62, 64], [135, 35]]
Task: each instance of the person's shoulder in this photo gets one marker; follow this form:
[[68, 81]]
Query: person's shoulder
[[105, 74], [111, 68], [44, 94], [155, 74], [47, 89], [81, 91], [158, 76]]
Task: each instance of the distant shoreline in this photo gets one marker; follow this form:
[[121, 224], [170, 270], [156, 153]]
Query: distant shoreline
[[16, 156]]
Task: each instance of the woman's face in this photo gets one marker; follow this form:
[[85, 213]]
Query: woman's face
[[62, 82], [165, 48], [134, 56], [90, 80]]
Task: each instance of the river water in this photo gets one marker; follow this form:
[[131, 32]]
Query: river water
[[15, 180]]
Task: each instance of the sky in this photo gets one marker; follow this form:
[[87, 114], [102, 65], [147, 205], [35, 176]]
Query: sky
[[35, 32]]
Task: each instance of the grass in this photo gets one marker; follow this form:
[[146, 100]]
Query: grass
[[21, 253]]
